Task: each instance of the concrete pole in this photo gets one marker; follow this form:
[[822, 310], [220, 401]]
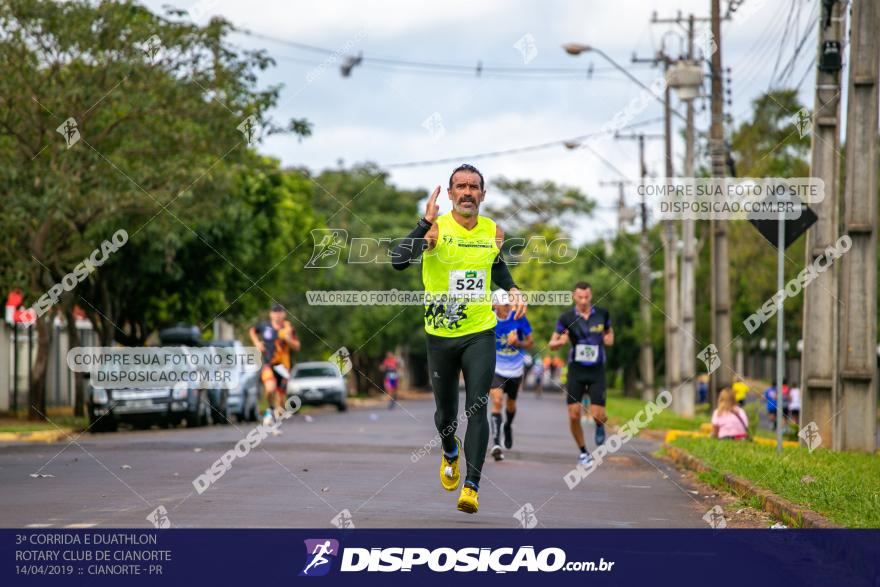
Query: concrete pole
[[687, 389], [855, 421], [671, 342], [670, 268], [621, 206], [647, 354], [622, 216], [819, 358], [721, 331]]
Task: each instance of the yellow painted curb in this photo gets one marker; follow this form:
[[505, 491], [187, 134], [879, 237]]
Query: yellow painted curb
[[36, 436], [673, 434], [772, 442]]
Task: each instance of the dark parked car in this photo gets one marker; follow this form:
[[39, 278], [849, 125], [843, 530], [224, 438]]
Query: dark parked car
[[144, 407], [169, 406]]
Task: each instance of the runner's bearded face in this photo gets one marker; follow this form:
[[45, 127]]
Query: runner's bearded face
[[466, 193]]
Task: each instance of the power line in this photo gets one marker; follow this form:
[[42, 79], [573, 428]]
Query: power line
[[752, 65], [782, 43], [573, 142], [493, 74], [785, 74], [606, 161], [479, 69], [782, 75], [806, 73], [540, 77]]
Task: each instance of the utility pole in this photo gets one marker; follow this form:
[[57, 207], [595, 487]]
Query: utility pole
[[819, 358], [647, 353], [623, 213], [855, 422], [670, 243], [721, 330], [684, 396]]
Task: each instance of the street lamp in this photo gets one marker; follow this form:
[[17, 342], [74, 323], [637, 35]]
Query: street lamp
[[578, 48]]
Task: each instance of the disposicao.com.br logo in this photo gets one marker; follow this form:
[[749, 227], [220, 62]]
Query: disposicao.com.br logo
[[318, 556], [441, 560]]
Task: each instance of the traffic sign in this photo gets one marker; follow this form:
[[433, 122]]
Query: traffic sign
[[794, 227]]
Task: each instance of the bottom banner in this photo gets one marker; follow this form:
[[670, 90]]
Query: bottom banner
[[707, 558]]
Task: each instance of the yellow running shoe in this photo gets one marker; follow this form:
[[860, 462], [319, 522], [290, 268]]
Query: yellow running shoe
[[467, 501], [449, 475]]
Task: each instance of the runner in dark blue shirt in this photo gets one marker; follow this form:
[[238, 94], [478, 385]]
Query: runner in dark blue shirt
[[588, 329]]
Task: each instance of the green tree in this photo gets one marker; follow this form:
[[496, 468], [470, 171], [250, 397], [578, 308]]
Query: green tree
[[155, 104], [534, 206], [247, 226], [372, 212]]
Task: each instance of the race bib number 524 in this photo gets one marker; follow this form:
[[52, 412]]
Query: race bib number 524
[[467, 281]]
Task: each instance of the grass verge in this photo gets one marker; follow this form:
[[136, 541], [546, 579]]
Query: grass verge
[[843, 487], [623, 409], [21, 425]]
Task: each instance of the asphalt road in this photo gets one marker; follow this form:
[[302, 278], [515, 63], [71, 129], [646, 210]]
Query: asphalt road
[[361, 461]]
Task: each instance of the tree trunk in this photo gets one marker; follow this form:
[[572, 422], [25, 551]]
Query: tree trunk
[[37, 391], [367, 374], [108, 333], [630, 376], [356, 371]]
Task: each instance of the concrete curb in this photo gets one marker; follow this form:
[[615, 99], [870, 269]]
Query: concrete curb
[[37, 436], [792, 514]]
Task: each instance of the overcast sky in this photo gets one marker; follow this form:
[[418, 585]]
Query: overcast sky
[[381, 114]]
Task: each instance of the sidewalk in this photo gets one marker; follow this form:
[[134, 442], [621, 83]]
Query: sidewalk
[[53, 435], [62, 423]]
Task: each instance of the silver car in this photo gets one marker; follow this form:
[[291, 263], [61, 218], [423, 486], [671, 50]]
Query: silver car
[[242, 399], [318, 382]]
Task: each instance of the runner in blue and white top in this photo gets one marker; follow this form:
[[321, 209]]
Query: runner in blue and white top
[[512, 337]]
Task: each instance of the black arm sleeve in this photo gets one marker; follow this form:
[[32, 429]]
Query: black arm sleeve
[[501, 274], [411, 247]]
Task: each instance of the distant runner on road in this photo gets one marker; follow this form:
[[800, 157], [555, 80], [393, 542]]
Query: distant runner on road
[[275, 338], [463, 256], [390, 378], [588, 329]]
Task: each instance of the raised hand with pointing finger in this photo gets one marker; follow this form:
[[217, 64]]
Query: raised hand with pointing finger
[[432, 209]]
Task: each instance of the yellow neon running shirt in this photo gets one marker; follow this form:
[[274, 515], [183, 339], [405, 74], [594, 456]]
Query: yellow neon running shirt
[[460, 264]]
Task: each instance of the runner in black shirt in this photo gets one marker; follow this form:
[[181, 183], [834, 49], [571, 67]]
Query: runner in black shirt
[[588, 329]]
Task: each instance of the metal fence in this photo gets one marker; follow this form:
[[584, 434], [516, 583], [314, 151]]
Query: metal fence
[[18, 352]]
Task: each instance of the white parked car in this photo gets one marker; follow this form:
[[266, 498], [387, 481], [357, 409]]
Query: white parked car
[[318, 382]]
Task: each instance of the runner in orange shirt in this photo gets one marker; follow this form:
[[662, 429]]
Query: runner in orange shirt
[[275, 338]]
